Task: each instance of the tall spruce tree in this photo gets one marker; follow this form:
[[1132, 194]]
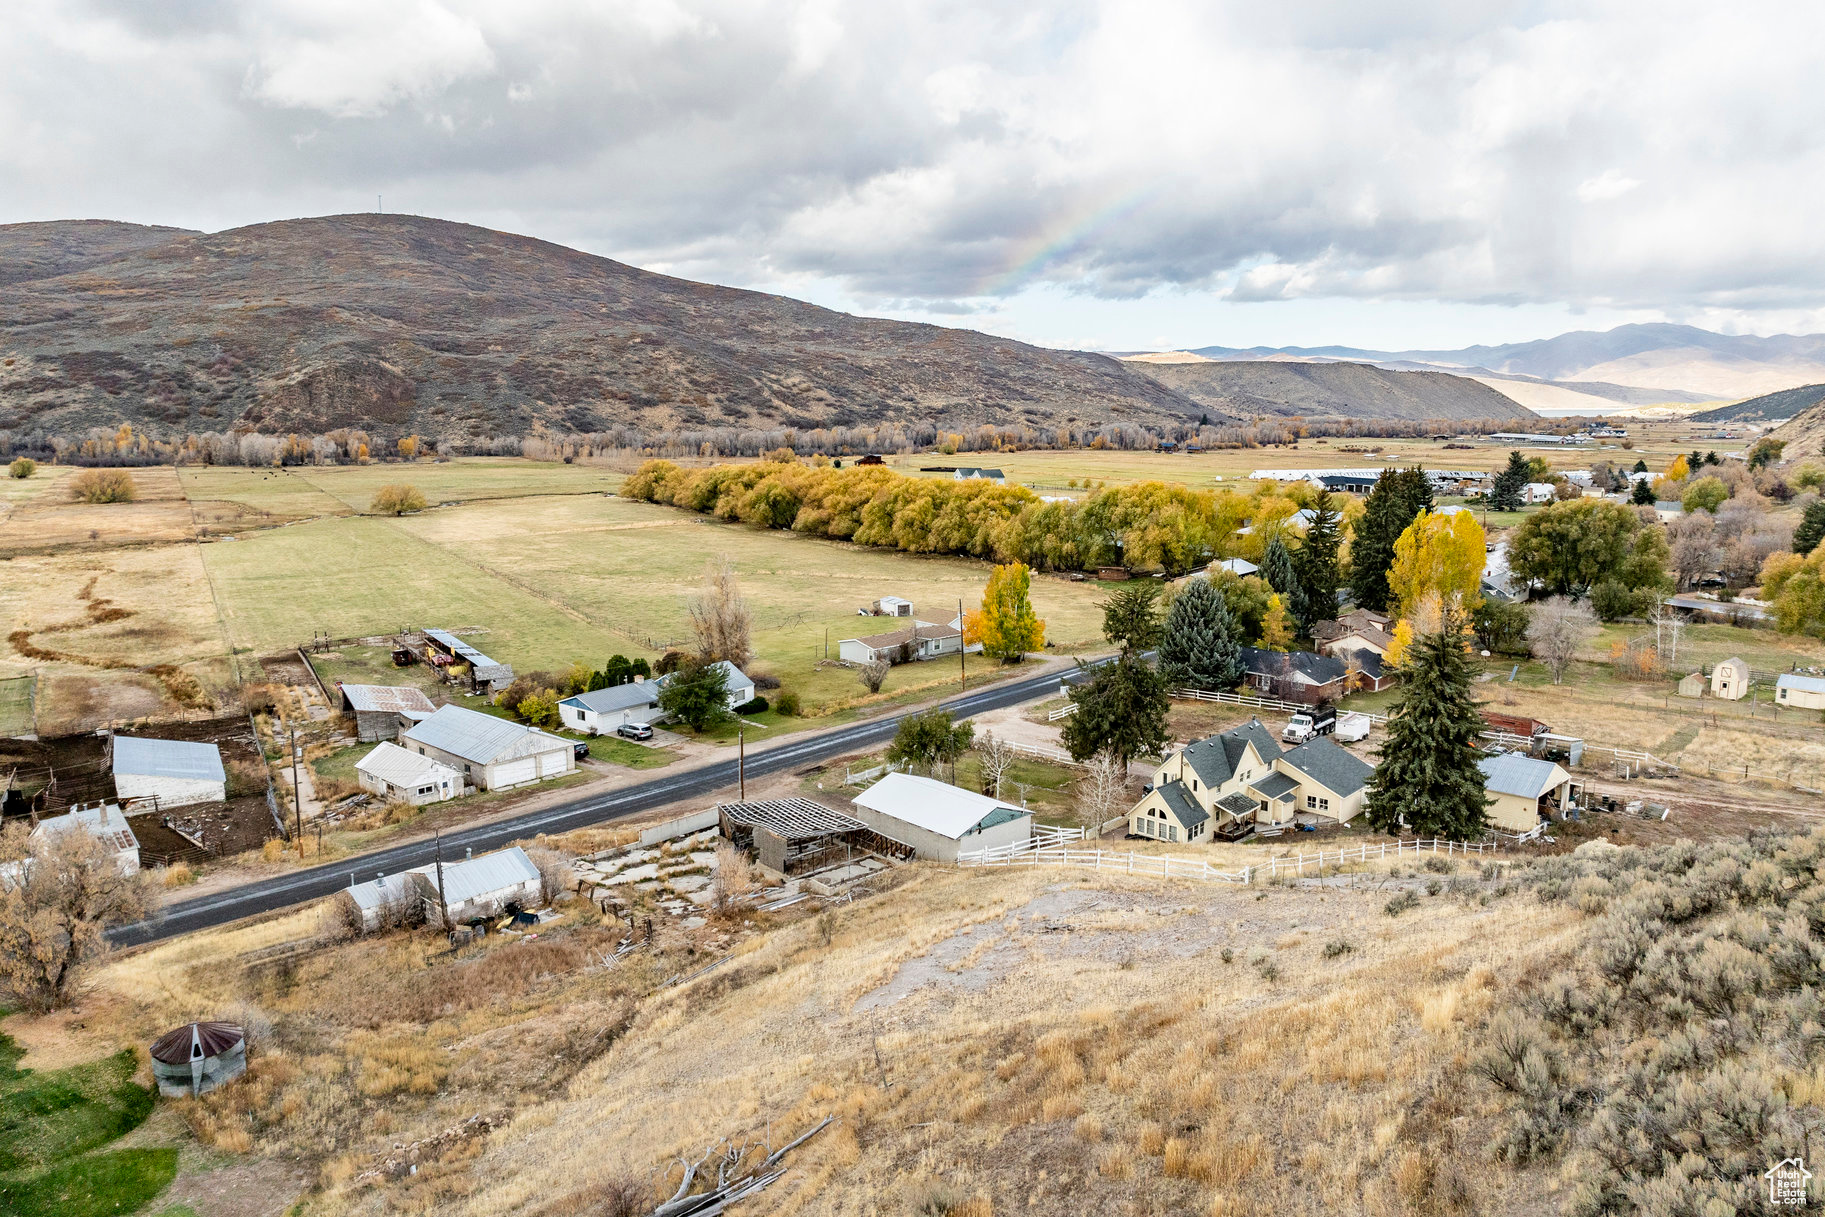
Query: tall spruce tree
[[1315, 566], [1120, 710], [1202, 644], [1428, 776], [1277, 567], [1399, 496], [1131, 616], [1811, 531], [1505, 495]]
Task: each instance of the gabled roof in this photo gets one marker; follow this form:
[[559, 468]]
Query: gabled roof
[[490, 873], [1331, 765], [1184, 807], [476, 737], [732, 676], [1275, 787], [1319, 669], [1215, 758], [167, 758], [932, 805], [1522, 776], [1367, 661], [918, 631], [616, 697], [1238, 805], [402, 767], [396, 699], [105, 823], [1240, 566], [1793, 680]]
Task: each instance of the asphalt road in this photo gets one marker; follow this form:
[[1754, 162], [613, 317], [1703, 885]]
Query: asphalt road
[[299, 887]]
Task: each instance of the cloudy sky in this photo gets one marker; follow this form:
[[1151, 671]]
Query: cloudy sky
[[1110, 175]]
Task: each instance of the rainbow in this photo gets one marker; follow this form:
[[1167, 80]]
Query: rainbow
[[1033, 254]]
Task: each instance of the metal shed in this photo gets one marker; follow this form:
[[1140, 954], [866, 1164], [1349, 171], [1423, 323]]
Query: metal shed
[[381, 710], [491, 752], [484, 673], [166, 772], [196, 1058]]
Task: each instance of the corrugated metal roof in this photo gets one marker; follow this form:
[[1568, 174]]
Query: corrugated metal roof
[[472, 735], [177, 1046], [402, 766], [105, 823], [616, 697], [394, 699], [1793, 680], [379, 893], [483, 876], [1521, 776], [463, 651], [168, 758], [932, 805]]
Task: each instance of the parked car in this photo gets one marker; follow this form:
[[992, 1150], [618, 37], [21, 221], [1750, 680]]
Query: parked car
[[580, 749], [634, 731]]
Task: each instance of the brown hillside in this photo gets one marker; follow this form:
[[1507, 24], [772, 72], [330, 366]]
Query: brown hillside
[[1804, 432], [1327, 390], [402, 323]]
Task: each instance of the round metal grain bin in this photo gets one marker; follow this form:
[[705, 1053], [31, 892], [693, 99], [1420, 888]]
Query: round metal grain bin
[[197, 1057]]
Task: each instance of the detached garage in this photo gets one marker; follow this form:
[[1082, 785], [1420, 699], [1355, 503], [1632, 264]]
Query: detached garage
[[938, 820], [159, 773], [491, 753]]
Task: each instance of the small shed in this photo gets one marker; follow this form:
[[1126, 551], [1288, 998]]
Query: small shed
[[1800, 691], [197, 1057], [167, 772], [1524, 790], [1692, 684], [381, 710], [893, 606], [1730, 679], [393, 772]]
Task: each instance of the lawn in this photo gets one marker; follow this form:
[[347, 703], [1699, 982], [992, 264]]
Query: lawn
[[51, 1121]]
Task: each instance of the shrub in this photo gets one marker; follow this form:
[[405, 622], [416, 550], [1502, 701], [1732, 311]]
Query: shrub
[[103, 486], [754, 705], [1400, 904], [1338, 947], [23, 468], [397, 500], [1439, 866], [787, 704], [763, 681]]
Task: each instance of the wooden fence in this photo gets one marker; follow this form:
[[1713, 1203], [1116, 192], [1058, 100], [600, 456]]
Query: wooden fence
[[1164, 867]]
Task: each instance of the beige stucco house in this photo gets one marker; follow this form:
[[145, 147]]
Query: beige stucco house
[[1228, 785]]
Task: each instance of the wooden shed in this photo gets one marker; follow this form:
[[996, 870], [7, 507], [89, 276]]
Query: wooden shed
[[382, 711], [1692, 684]]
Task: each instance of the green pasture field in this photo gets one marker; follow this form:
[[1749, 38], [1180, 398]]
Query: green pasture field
[[461, 480], [266, 495]]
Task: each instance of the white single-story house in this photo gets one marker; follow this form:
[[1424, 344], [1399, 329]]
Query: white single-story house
[[987, 475], [1237, 566], [938, 820], [602, 710], [398, 773], [739, 685], [1228, 784], [1805, 692], [491, 753], [381, 710], [103, 822], [1537, 492], [920, 640], [1730, 679], [167, 773], [1524, 790], [473, 889]]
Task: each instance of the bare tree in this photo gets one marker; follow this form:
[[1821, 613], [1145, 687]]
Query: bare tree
[[997, 757], [720, 616], [734, 877], [58, 895], [1558, 628], [874, 673], [1103, 790], [1694, 547], [554, 872]]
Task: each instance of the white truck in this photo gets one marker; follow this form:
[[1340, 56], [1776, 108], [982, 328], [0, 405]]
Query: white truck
[[1323, 720]]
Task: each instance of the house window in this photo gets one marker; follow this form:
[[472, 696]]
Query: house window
[[1314, 803], [1172, 832]]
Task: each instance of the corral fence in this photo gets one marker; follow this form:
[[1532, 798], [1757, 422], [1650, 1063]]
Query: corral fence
[[1262, 703], [1159, 866]]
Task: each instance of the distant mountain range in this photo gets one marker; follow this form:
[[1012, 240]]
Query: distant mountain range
[[1785, 404], [398, 323], [1630, 365], [1333, 390]]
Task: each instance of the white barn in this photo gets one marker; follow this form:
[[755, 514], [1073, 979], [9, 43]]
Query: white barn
[[492, 753], [168, 773], [399, 773], [938, 820]]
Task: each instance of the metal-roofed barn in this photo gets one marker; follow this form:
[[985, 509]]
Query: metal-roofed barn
[[382, 710], [169, 772], [484, 673], [491, 752], [1799, 690], [197, 1057], [939, 820]]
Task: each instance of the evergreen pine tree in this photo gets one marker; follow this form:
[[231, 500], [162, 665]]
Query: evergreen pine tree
[[1120, 710], [1202, 645], [1315, 566], [1641, 465], [1428, 775], [1811, 531], [1399, 496], [1505, 495], [1277, 567], [1643, 492]]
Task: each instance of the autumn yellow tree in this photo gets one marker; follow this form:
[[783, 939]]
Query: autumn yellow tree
[[408, 446], [397, 500], [1006, 626], [1439, 555], [1403, 639], [1276, 626]]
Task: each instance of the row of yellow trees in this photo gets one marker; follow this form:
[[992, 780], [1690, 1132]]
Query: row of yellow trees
[[1145, 526]]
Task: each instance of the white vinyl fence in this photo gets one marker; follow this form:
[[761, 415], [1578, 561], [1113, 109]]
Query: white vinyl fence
[[1261, 703], [1162, 867]]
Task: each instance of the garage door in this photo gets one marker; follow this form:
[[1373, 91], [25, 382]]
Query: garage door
[[551, 764], [512, 773]]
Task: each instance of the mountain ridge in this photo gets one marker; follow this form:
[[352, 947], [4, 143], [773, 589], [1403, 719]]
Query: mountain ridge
[[1335, 389]]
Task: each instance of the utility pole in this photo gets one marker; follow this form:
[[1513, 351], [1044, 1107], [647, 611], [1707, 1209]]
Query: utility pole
[[297, 804], [741, 759], [443, 907], [963, 671]]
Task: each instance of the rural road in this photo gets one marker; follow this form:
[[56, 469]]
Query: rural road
[[298, 887]]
